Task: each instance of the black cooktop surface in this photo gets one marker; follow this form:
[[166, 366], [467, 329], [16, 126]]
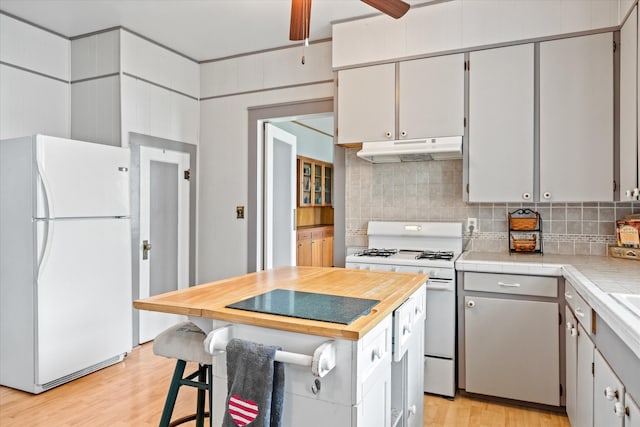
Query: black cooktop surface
[[308, 305]]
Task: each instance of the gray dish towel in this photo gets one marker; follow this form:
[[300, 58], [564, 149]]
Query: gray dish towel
[[255, 386]]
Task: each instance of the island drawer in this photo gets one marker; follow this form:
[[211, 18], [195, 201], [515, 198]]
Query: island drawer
[[375, 349], [515, 284]]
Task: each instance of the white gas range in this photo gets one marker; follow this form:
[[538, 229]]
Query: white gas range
[[428, 248]]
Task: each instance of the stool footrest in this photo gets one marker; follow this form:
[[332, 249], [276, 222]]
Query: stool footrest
[[186, 419]]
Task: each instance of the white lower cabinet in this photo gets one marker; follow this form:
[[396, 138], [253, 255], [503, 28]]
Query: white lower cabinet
[[571, 364], [584, 381], [512, 349], [608, 393], [632, 412]]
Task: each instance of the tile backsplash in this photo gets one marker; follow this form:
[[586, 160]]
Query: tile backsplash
[[432, 191]]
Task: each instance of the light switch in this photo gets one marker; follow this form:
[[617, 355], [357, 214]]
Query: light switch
[[240, 212]]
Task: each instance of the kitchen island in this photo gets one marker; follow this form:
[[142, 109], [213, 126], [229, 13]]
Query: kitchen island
[[372, 381]]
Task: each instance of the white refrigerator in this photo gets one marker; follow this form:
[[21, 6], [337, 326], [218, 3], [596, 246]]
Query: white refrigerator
[[65, 260]]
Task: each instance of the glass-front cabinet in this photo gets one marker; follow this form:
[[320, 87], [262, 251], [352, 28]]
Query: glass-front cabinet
[[315, 181]]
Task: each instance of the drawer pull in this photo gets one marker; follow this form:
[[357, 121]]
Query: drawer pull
[[579, 312], [568, 295], [569, 326], [406, 330], [509, 285], [574, 332], [619, 410], [412, 410], [376, 354]]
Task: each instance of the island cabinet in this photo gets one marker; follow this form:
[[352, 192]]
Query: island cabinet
[[576, 119], [356, 390], [510, 337], [424, 97]]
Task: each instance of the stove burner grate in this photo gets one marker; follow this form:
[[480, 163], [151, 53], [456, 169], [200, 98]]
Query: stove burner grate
[[377, 252], [435, 255]]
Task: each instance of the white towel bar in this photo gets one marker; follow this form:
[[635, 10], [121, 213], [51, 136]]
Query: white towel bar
[[321, 363]]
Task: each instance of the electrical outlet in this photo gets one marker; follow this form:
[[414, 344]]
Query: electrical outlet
[[472, 225]]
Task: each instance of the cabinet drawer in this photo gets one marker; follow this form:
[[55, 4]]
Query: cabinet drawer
[[304, 234], [405, 322], [317, 233], [511, 284], [375, 350], [578, 306]]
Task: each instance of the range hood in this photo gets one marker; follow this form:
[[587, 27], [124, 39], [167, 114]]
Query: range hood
[[412, 150]]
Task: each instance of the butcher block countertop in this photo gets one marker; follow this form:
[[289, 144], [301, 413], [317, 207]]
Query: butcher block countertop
[[209, 300]]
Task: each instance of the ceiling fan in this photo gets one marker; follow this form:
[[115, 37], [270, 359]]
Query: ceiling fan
[[301, 14]]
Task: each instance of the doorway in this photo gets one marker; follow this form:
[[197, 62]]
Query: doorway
[[164, 232], [278, 114], [163, 225]]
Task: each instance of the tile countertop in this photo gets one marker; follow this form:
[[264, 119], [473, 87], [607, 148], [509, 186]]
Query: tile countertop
[[595, 278]]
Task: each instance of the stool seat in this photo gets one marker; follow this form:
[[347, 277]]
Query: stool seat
[[184, 341]]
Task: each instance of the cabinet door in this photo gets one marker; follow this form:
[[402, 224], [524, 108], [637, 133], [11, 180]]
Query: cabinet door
[[316, 252], [628, 107], [608, 393], [431, 97], [571, 363], [305, 169], [501, 100], [317, 189], [366, 103], [576, 119], [415, 378], [512, 349], [632, 416], [327, 252], [328, 185], [303, 253], [584, 380]]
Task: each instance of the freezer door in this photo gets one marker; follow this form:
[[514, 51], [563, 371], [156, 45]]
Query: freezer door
[[81, 179], [83, 295]]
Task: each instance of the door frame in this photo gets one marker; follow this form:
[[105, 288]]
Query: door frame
[[255, 198], [136, 140]]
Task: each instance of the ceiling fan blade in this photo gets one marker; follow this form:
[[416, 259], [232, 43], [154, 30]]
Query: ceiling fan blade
[[300, 19], [393, 8]]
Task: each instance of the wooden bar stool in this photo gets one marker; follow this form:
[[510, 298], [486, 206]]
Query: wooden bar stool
[[184, 342]]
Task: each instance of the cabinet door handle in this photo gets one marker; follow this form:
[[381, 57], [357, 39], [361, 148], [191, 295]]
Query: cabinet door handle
[[574, 332], [411, 410], [610, 393], [619, 410], [546, 195], [509, 285], [526, 196], [568, 295], [471, 304], [406, 330], [376, 354], [579, 312], [569, 326], [387, 134], [403, 133]]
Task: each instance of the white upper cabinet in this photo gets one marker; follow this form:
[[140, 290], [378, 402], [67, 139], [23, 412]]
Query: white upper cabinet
[[366, 104], [431, 97], [501, 124], [429, 101], [576, 119], [628, 108]]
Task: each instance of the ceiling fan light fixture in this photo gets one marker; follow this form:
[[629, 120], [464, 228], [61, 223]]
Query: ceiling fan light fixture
[[394, 8], [300, 20]]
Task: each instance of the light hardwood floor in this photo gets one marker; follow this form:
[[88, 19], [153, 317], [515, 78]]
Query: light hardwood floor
[[132, 393]]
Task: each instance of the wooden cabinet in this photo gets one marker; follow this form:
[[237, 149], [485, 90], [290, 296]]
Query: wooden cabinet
[[501, 124], [429, 100], [629, 163], [314, 246], [576, 119], [315, 182], [608, 393], [511, 345]]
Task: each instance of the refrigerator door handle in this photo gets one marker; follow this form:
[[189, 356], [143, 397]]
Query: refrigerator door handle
[[44, 184], [46, 246]]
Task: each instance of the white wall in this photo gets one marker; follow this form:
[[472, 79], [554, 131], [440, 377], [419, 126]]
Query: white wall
[[223, 149], [34, 98], [464, 24]]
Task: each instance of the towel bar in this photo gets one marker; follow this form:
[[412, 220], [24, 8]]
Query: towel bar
[[321, 363]]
